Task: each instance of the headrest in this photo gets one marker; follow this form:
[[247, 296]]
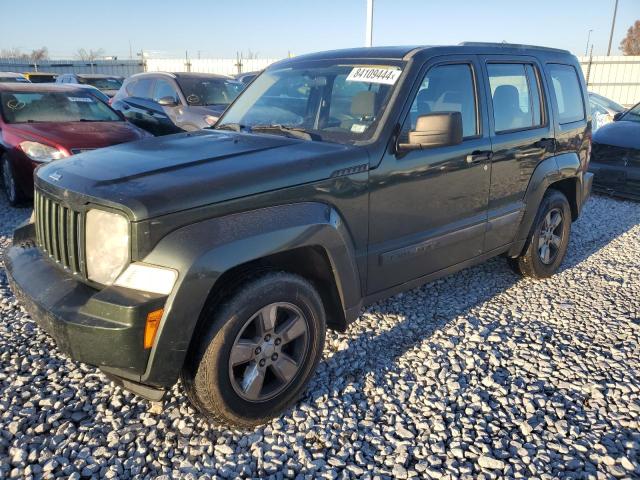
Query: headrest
[[364, 104], [506, 95]]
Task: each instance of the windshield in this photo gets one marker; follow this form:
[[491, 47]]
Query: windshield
[[42, 78], [633, 115], [202, 91], [21, 107], [102, 83], [339, 103]]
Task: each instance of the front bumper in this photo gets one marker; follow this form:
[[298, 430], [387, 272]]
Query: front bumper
[[104, 328]]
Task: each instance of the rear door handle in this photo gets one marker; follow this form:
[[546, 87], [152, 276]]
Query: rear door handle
[[479, 156]]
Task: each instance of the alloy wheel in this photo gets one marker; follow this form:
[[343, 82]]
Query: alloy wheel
[[268, 352], [550, 236]]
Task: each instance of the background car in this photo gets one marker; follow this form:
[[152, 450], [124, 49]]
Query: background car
[[12, 77], [94, 91], [41, 77], [247, 77], [42, 123], [615, 155], [108, 84], [603, 109], [164, 103]]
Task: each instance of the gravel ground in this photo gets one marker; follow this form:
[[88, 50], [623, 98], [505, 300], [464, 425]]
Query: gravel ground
[[479, 375]]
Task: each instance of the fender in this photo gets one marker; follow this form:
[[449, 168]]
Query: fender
[[204, 251], [549, 171]]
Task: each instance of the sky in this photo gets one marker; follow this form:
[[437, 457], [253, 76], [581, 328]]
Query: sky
[[275, 28]]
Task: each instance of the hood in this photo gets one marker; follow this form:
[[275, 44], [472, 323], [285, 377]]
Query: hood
[[625, 134], [215, 110], [72, 135], [168, 174]]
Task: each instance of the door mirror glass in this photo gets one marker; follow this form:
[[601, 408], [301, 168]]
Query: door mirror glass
[[439, 129], [168, 102]]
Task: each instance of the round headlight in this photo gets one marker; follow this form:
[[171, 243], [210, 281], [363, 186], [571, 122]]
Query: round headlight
[[107, 245]]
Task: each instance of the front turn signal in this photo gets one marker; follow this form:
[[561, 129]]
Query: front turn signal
[[151, 327]]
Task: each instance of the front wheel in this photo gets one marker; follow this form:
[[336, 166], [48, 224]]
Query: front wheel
[[257, 352], [548, 240], [11, 188]]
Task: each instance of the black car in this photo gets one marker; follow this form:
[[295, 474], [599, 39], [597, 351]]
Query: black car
[[335, 180], [107, 84], [247, 77], [603, 109], [615, 157], [164, 103]]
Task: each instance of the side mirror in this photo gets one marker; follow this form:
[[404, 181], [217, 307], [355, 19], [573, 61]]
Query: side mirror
[[439, 129], [168, 102], [618, 116]]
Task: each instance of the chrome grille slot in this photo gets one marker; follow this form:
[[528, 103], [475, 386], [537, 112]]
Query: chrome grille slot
[[58, 232]]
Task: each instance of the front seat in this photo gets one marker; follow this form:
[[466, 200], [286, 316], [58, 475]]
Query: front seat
[[506, 108], [363, 110]]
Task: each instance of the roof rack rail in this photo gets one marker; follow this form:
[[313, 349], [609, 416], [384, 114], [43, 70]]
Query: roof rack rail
[[512, 45]]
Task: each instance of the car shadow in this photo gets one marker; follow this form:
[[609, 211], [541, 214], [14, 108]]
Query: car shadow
[[422, 312]]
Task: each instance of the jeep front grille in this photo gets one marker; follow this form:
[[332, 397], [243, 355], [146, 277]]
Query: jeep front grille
[[59, 232]]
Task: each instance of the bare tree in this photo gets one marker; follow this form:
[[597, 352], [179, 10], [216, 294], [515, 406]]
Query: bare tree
[[89, 55], [13, 53], [630, 45], [39, 54]]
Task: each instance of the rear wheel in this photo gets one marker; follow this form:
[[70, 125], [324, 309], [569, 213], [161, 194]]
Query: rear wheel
[[258, 351], [11, 189], [548, 240]]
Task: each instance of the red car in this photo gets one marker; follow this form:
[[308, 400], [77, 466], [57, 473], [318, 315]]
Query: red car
[[42, 123]]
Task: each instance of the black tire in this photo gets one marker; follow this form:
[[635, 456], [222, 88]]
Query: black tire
[[214, 387], [534, 262], [14, 195]]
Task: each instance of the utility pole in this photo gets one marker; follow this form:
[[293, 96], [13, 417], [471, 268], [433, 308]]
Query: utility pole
[[586, 49], [613, 26], [130, 51], [369, 37]]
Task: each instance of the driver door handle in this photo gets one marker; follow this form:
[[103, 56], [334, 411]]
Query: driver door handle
[[479, 156]]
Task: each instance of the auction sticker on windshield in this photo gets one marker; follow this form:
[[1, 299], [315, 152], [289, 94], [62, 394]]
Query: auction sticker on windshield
[[375, 74]]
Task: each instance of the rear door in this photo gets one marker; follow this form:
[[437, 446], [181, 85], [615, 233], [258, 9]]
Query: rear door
[[522, 136]]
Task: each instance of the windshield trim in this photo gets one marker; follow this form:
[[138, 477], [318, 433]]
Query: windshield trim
[[405, 65]]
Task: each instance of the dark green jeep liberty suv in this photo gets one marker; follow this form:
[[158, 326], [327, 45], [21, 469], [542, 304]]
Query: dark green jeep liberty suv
[[335, 180]]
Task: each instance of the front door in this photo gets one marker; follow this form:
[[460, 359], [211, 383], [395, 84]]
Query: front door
[[428, 208]]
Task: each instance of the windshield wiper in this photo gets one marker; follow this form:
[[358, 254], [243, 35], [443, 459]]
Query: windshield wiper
[[292, 132], [236, 127]]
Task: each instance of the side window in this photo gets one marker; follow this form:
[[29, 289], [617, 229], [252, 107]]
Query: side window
[[448, 88], [566, 86], [515, 96], [141, 88], [164, 89]]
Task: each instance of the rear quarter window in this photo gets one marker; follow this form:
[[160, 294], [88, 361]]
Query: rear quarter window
[[568, 93]]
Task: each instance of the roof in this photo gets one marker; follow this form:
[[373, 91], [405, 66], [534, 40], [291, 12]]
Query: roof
[[39, 87], [184, 75], [408, 51], [11, 74], [96, 75]]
